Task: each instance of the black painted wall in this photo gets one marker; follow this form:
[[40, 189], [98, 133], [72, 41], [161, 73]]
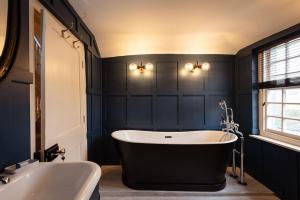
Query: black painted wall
[[276, 167], [14, 102], [165, 99]]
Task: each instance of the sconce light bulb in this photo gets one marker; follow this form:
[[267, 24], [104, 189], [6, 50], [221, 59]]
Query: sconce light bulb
[[133, 67], [149, 66], [196, 71], [205, 66], [189, 66]]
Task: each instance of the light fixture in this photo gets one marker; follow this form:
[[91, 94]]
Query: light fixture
[[141, 68], [194, 67]]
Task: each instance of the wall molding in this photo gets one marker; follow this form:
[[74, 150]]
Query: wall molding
[[165, 100]]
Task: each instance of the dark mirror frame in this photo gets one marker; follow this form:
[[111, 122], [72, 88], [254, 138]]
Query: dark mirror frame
[[11, 39]]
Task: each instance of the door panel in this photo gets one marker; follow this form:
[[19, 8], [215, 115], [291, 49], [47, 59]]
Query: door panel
[[64, 91]]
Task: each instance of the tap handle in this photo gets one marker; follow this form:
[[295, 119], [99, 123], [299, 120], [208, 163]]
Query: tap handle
[[222, 104], [4, 179], [62, 151]]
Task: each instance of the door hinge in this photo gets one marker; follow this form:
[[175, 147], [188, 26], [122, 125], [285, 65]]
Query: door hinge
[[83, 118]]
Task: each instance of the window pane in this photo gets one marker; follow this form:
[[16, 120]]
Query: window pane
[[291, 111], [274, 95], [277, 70], [274, 123], [291, 126], [274, 110], [277, 53], [292, 95], [293, 75], [293, 65], [294, 48]]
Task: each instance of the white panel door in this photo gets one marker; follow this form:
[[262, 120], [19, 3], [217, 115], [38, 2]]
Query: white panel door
[[64, 91]]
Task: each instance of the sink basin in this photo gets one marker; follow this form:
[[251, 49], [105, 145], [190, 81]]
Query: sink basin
[[48, 181]]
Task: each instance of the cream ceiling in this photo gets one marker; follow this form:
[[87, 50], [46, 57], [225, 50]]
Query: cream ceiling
[[127, 27], [3, 23]]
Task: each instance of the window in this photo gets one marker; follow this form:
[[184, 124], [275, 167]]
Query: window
[[279, 84], [282, 111]]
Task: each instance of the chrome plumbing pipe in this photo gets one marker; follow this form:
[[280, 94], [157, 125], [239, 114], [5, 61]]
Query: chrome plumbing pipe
[[242, 154], [231, 126]]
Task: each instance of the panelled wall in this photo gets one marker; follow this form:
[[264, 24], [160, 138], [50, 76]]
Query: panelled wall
[[276, 167], [15, 101], [168, 98], [94, 104]]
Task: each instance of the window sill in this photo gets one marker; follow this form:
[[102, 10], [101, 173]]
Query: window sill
[[277, 142]]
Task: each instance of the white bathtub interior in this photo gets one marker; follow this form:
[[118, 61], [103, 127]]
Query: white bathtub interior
[[185, 137]]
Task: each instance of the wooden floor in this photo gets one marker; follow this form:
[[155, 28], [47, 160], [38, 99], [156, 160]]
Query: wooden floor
[[112, 188]]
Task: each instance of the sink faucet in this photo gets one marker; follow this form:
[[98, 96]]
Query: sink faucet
[[61, 153], [232, 127], [4, 179]]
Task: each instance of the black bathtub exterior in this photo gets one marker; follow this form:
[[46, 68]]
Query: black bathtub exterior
[[200, 167]]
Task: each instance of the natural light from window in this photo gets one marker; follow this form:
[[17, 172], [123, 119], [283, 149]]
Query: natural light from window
[[283, 110], [279, 78]]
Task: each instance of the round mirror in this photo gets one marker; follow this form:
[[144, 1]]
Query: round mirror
[[3, 23], [9, 31]]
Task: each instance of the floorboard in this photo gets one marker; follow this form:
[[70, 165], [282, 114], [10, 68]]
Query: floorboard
[[112, 188]]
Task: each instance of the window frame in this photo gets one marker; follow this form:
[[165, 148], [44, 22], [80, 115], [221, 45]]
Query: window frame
[[285, 82], [273, 134]]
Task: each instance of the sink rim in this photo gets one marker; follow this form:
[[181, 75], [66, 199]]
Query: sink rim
[[84, 192]]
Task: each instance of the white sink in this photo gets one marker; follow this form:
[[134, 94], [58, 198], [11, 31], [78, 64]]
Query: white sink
[[52, 181]]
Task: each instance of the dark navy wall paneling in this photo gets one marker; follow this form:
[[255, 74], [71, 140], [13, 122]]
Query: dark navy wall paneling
[[140, 112], [168, 98], [281, 178], [166, 76], [193, 111], [94, 104], [166, 112], [14, 102], [276, 167]]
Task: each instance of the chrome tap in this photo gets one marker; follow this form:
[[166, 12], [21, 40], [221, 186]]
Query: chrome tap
[[4, 179], [61, 153], [232, 127]]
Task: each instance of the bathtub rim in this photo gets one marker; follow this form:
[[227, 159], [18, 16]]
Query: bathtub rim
[[113, 135]]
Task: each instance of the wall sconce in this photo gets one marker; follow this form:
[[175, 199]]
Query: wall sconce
[[192, 68], [141, 68]]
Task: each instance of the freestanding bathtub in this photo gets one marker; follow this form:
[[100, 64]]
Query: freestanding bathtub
[[186, 161]]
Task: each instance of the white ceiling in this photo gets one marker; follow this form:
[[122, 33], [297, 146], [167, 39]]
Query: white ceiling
[[128, 27]]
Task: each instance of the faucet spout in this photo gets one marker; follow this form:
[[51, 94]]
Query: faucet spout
[[61, 153], [4, 179]]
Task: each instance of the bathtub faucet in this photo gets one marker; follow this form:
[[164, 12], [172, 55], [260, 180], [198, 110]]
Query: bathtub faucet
[[232, 127]]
